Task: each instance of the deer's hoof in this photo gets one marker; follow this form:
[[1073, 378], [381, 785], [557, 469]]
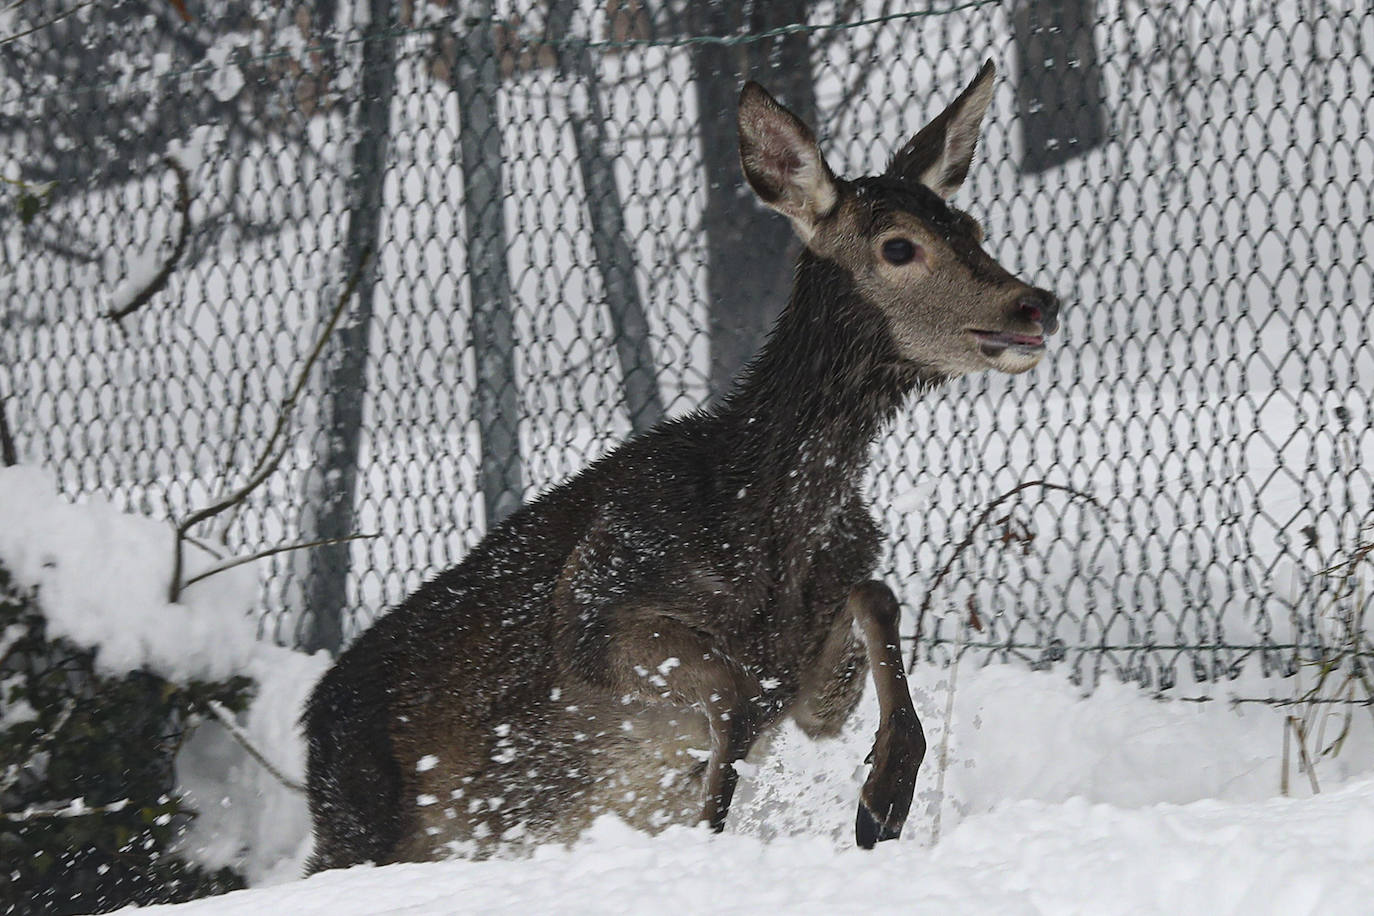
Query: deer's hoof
[[869, 831], [886, 797]]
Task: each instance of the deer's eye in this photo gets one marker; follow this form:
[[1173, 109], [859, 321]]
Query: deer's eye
[[899, 251]]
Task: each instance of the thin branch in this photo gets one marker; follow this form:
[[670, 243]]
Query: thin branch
[[9, 456], [45, 23], [271, 551], [208, 546], [159, 280], [1304, 761], [944, 741], [968, 541], [76, 807], [231, 725], [1283, 771], [12, 772], [271, 454]]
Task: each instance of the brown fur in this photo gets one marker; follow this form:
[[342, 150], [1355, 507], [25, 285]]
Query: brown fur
[[618, 643]]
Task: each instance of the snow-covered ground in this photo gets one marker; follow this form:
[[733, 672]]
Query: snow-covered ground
[[1209, 858], [1051, 803], [1033, 798]]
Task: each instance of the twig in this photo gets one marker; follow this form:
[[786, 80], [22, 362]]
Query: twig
[[9, 456], [231, 725], [944, 739], [76, 807], [209, 547], [1304, 761], [271, 455], [968, 541], [1283, 771], [45, 23], [159, 280], [271, 551], [12, 772]]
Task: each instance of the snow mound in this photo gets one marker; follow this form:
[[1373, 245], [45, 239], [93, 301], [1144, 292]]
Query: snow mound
[[1282, 856], [103, 577]]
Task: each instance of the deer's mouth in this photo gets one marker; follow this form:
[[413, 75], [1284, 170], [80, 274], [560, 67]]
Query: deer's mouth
[[995, 343]]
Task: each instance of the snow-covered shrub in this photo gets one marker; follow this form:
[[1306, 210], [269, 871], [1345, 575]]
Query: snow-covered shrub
[[89, 811], [101, 576]]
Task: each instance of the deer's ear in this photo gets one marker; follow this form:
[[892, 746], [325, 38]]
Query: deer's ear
[[939, 155], [782, 162]]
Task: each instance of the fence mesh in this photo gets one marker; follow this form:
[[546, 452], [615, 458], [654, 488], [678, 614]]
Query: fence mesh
[[553, 248]]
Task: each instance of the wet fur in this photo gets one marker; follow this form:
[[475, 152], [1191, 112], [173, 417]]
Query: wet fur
[[678, 598], [721, 531]]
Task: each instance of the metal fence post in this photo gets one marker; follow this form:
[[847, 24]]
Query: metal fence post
[[333, 485]]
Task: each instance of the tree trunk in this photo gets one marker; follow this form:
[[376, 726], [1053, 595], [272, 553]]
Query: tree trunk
[[1058, 82], [615, 257], [750, 250], [477, 80], [344, 387]]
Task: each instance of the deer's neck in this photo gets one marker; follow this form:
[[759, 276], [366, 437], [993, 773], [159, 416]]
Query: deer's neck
[[809, 406]]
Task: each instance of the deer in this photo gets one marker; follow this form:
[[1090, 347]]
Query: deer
[[618, 644]]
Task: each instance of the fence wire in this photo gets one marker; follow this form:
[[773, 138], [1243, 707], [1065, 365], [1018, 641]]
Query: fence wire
[[556, 250]]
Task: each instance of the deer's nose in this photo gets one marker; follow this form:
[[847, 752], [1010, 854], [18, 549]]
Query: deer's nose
[[1039, 305]]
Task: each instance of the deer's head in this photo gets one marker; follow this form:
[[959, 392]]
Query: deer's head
[[950, 307]]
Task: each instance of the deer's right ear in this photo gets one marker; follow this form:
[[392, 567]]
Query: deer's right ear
[[782, 161]]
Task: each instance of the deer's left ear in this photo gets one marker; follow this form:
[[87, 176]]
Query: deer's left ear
[[939, 155], [782, 161]]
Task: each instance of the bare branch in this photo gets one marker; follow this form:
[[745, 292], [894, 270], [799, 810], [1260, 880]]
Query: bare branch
[[271, 551], [1304, 761], [159, 280], [272, 452], [231, 725], [9, 456], [76, 807], [968, 541], [45, 23]]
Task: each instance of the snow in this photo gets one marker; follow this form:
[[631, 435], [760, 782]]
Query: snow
[[102, 577], [246, 818], [1033, 798], [1282, 857], [1057, 803], [226, 79]]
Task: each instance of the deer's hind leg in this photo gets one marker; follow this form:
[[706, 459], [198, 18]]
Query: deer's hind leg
[[865, 636], [651, 644]]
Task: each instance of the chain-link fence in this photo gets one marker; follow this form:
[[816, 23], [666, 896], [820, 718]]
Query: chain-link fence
[[533, 215]]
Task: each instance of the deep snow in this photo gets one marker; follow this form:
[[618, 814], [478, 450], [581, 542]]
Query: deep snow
[[1044, 800], [1210, 858]]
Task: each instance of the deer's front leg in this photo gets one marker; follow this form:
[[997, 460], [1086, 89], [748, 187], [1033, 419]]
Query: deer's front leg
[[900, 744]]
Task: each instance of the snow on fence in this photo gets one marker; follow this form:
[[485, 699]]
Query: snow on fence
[[557, 249]]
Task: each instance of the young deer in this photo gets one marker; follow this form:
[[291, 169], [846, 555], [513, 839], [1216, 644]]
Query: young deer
[[620, 642]]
